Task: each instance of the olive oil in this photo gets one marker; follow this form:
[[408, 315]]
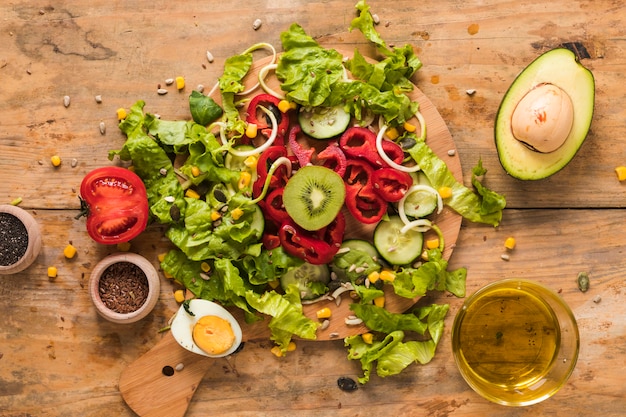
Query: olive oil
[[508, 339]]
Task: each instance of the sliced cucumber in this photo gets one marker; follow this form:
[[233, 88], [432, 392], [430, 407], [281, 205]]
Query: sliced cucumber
[[395, 247], [323, 122], [420, 203], [361, 245], [258, 221], [311, 280]]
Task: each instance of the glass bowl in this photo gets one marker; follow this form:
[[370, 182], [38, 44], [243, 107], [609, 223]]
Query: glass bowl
[[515, 342]]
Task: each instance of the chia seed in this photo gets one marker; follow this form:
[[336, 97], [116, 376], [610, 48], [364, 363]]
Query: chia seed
[[13, 239], [123, 287]]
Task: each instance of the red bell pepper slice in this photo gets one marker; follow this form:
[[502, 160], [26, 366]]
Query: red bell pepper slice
[[333, 157], [391, 184], [304, 155], [360, 142], [362, 201], [312, 247], [274, 208], [267, 158], [263, 122]]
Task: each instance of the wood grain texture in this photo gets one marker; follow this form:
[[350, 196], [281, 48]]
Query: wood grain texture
[[58, 358]]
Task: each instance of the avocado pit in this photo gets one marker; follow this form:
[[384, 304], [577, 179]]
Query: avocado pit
[[543, 118]]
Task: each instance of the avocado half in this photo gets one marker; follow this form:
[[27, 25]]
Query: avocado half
[[557, 70]]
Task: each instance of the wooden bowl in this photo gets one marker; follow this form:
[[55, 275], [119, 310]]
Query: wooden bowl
[[34, 239], [97, 294]]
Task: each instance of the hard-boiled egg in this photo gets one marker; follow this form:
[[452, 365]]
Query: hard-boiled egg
[[211, 331]]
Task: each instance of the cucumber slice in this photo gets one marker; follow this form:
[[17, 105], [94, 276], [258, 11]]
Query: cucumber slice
[[361, 245], [311, 280], [323, 122], [420, 203], [395, 247], [258, 222]]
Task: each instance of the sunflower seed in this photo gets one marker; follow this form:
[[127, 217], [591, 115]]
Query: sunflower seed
[[103, 128], [169, 81], [209, 56], [98, 98], [257, 24], [66, 101], [162, 91]]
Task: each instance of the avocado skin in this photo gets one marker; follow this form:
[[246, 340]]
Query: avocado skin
[[560, 67]]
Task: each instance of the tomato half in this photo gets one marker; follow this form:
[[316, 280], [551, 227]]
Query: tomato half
[[115, 202]]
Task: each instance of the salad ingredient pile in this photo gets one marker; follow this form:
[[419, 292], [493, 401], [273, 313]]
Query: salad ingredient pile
[[258, 188]]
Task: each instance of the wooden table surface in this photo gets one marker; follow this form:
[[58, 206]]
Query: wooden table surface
[[58, 358]]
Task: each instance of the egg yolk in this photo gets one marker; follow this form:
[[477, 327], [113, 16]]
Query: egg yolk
[[213, 334]]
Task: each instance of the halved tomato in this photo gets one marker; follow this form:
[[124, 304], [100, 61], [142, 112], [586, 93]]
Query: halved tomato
[[115, 202]]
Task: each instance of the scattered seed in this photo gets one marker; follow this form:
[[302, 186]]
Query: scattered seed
[[505, 257], [470, 92], [333, 335], [209, 56], [74, 162], [98, 98], [66, 101], [583, 281], [103, 128], [347, 384], [163, 171], [257, 24], [169, 199], [169, 81], [376, 19], [451, 152], [179, 367], [325, 324], [162, 91], [597, 299], [200, 88]]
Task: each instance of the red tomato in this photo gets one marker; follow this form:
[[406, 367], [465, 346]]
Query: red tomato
[[115, 202]]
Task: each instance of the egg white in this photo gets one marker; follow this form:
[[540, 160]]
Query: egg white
[[183, 323]]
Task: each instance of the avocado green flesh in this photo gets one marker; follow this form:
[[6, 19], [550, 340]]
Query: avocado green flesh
[[560, 68]]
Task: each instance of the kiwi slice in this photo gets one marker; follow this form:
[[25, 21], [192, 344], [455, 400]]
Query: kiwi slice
[[313, 196]]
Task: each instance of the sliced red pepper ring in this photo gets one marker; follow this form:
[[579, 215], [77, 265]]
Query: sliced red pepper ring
[[364, 204], [357, 172], [274, 208], [304, 155], [260, 119], [360, 142], [333, 157], [391, 184], [267, 158], [309, 246]]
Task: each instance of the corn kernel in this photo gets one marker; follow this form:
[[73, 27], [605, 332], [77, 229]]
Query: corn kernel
[[324, 313], [373, 276], [69, 252], [291, 347], [409, 127], [509, 243], [192, 194], [621, 173], [432, 243], [167, 275], [205, 267], [387, 275], [180, 83], [236, 213], [392, 133], [284, 106], [55, 160], [179, 296], [277, 352], [195, 171], [245, 178], [251, 161], [52, 272], [121, 113], [251, 130], [379, 301], [445, 192], [368, 338], [215, 215], [123, 246], [161, 257]]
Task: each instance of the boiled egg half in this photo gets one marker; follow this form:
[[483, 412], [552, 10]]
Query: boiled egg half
[[211, 331]]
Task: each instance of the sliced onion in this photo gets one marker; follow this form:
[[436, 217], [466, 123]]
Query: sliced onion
[[383, 155], [272, 62], [419, 225], [262, 74], [268, 142], [414, 188]]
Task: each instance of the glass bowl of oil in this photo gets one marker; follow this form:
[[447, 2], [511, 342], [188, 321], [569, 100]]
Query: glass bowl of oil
[[515, 342]]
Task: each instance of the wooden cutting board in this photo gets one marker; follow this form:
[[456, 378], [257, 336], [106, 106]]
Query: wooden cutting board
[[152, 386]]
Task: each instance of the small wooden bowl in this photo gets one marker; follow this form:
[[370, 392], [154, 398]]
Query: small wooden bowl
[[34, 239], [153, 288]]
